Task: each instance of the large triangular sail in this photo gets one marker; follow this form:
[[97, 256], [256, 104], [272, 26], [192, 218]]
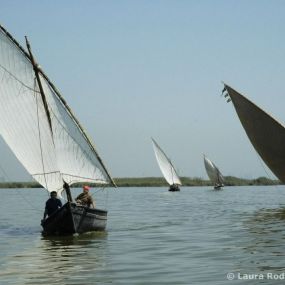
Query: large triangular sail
[[213, 172], [265, 133], [165, 165], [50, 156]]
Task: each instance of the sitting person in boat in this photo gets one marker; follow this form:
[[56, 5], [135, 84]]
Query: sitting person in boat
[[85, 199], [52, 204]]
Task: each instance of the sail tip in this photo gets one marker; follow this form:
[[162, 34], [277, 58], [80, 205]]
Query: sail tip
[[27, 41], [225, 84], [153, 140], [225, 92]]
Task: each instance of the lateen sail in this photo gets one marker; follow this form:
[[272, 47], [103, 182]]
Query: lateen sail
[[50, 156], [165, 165], [265, 133], [213, 172]]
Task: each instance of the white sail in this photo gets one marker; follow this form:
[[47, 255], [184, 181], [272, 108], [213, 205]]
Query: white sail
[[213, 172], [50, 153], [165, 165]]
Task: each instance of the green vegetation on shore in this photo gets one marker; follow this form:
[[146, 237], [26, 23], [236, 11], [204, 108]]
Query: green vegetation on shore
[[158, 181], [196, 181]]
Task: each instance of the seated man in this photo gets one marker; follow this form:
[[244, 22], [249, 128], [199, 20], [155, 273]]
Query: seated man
[[85, 199], [52, 204]]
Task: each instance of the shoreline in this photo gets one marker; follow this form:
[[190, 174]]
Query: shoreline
[[158, 182]]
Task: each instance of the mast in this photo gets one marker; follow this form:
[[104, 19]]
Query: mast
[[67, 190], [36, 70]]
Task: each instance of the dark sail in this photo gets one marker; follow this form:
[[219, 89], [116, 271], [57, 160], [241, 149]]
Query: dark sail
[[265, 133]]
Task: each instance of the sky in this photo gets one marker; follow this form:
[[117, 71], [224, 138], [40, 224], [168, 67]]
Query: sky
[[132, 70]]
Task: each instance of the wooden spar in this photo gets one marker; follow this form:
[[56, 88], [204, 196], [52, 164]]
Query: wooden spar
[[36, 70]]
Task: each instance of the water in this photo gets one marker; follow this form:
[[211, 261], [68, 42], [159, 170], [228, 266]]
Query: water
[[196, 236]]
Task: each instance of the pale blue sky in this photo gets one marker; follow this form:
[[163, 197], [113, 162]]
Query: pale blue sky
[[131, 70]]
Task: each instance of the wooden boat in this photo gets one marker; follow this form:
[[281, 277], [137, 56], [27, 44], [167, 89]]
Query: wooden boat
[[166, 168], [265, 133], [214, 173], [174, 187], [72, 218], [45, 136]]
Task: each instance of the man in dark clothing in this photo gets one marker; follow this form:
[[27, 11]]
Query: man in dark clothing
[[52, 204]]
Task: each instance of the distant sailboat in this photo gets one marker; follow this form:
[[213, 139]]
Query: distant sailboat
[[43, 133], [214, 173], [166, 168], [265, 133]]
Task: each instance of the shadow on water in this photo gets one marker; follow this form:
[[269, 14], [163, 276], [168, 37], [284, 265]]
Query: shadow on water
[[77, 240]]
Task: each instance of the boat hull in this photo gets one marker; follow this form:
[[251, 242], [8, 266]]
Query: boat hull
[[174, 188], [218, 187], [72, 218]]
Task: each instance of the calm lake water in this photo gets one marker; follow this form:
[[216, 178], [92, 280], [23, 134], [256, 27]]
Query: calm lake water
[[196, 236]]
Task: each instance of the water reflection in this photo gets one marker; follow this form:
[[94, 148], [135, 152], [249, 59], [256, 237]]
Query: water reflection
[[80, 240], [60, 260], [265, 244], [74, 256], [267, 221]]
